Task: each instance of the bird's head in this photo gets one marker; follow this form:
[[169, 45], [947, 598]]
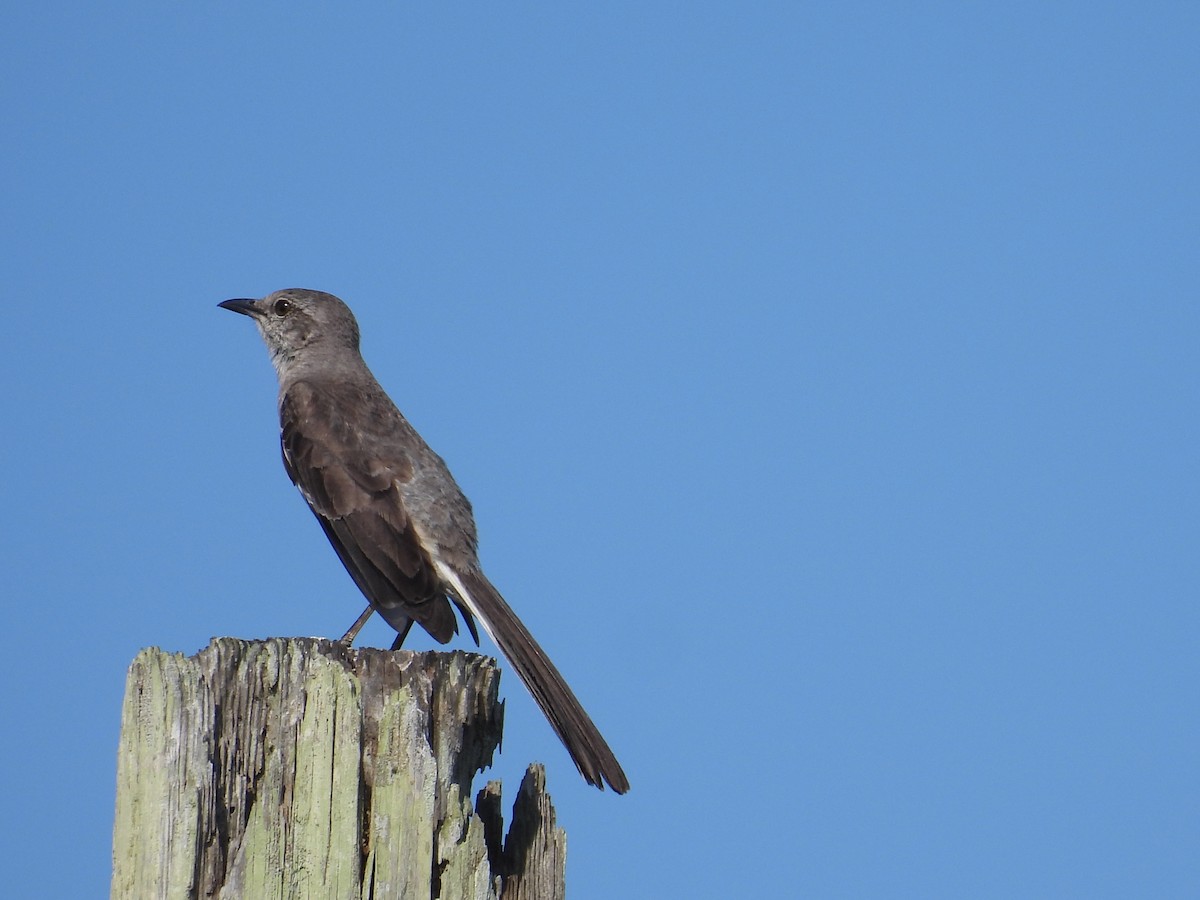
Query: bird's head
[[294, 322]]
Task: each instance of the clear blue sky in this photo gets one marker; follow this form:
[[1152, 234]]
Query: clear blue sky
[[825, 379]]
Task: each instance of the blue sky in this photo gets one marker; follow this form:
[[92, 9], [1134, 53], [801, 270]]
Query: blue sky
[[824, 378]]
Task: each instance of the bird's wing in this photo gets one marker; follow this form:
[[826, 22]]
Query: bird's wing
[[354, 494]]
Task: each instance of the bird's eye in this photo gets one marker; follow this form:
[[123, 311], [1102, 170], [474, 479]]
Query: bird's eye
[[283, 306]]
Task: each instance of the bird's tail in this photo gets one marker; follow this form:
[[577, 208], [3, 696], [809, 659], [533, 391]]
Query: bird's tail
[[581, 737]]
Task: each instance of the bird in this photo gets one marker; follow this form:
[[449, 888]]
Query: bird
[[396, 517]]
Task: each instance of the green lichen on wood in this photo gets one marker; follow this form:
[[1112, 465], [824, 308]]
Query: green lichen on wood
[[301, 768], [466, 872], [159, 773]]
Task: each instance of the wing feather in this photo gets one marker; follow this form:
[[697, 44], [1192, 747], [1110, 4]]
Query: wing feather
[[355, 495]]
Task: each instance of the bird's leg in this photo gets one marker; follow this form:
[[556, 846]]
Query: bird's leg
[[349, 636], [401, 635]]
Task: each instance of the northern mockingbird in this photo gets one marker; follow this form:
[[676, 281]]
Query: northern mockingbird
[[392, 510]]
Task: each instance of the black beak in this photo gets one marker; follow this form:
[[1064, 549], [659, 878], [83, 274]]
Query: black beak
[[245, 307]]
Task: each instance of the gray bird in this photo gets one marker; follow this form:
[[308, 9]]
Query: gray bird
[[391, 509]]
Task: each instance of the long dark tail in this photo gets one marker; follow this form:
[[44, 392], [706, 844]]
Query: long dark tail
[[581, 737]]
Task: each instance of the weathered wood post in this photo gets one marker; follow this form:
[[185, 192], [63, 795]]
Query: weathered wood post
[[301, 768]]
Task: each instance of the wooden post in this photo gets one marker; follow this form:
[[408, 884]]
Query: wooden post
[[301, 768]]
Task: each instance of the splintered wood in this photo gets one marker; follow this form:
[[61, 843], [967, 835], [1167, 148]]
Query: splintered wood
[[302, 768]]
